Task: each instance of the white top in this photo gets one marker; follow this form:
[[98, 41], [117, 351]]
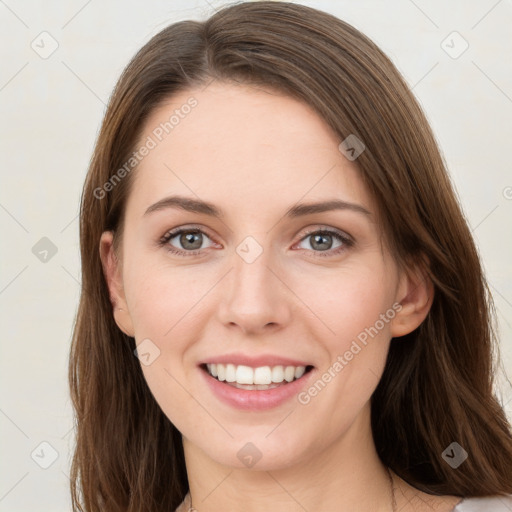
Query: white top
[[490, 504]]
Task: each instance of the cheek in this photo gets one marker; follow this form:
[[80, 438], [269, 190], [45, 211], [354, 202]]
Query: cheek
[[164, 305], [347, 301], [162, 299], [354, 339]]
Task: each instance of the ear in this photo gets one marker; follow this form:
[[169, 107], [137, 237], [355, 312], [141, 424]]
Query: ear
[[113, 276], [415, 293]]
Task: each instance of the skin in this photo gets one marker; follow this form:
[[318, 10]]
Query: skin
[[263, 148]]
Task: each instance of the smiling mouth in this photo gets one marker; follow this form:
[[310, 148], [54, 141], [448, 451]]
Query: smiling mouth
[[282, 381]]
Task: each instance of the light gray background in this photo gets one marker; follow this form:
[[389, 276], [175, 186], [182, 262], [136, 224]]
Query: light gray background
[[51, 111]]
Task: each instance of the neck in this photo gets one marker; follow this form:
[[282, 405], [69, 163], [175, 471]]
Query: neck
[[346, 475]]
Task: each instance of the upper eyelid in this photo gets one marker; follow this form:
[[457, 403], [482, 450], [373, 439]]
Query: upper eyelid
[[187, 227], [336, 231]]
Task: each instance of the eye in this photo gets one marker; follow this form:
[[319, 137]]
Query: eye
[[321, 241], [190, 239]]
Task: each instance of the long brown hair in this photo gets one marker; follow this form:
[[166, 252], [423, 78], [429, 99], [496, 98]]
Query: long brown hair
[[437, 387]]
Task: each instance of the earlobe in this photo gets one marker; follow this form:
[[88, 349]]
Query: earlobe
[[113, 276], [415, 295], [123, 321]]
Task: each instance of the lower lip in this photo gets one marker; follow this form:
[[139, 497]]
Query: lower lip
[[255, 400]]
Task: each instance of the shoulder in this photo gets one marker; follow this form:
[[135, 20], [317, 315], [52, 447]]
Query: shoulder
[[485, 504]]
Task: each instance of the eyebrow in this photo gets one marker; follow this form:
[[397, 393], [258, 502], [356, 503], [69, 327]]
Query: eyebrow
[[204, 207]]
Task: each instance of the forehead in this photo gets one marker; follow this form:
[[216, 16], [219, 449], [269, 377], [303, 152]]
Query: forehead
[[250, 145]]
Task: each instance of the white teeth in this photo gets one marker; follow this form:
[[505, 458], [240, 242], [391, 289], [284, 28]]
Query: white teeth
[[258, 387], [277, 374], [289, 373], [299, 371], [262, 375], [245, 375], [221, 372], [230, 373]]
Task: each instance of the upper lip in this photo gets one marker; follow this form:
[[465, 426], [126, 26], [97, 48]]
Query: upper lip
[[254, 361]]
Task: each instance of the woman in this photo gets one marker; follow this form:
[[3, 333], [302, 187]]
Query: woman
[[325, 341]]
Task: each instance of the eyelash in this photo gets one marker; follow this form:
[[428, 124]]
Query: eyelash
[[347, 241]]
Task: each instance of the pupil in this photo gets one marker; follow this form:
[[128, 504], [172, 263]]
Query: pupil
[[316, 238], [191, 237]]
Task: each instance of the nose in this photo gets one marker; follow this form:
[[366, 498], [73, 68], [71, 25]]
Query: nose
[[254, 298]]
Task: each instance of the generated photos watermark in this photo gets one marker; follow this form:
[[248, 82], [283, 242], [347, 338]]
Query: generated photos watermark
[[304, 397], [151, 142]]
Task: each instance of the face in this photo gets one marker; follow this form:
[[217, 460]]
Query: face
[[263, 282]]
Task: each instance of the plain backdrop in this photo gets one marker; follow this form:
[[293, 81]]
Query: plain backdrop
[[60, 61]]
